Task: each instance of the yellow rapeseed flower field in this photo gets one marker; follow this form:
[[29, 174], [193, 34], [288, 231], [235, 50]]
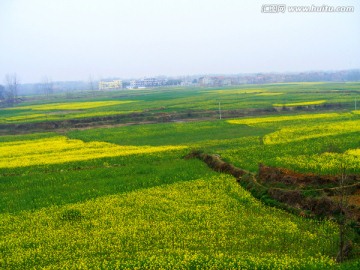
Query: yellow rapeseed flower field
[[273, 119], [296, 133], [202, 224], [34, 116], [237, 91], [61, 149], [270, 94], [305, 103], [71, 105], [325, 162]]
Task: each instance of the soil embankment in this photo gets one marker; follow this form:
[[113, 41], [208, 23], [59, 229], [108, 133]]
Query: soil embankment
[[305, 194]]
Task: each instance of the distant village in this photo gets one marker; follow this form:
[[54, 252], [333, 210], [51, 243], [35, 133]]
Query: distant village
[[227, 80], [48, 86]]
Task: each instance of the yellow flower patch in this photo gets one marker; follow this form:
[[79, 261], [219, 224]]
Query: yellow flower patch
[[261, 120], [295, 133], [60, 149], [71, 105], [306, 103]]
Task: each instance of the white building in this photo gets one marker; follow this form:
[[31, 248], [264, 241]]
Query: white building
[[110, 85], [146, 82]]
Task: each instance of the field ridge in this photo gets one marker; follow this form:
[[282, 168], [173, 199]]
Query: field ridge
[[294, 200]]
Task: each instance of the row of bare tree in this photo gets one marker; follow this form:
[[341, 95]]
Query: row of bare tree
[[9, 92]]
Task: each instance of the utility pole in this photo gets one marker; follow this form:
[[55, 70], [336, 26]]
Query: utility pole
[[219, 111], [355, 103]]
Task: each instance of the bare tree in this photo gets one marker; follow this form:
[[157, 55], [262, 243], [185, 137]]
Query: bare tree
[[12, 87], [2, 96], [2, 93], [47, 86], [91, 82]]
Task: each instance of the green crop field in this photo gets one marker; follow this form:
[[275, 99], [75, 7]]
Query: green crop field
[[124, 196], [88, 104]]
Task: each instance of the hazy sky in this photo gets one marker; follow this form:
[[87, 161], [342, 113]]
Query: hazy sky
[[71, 39]]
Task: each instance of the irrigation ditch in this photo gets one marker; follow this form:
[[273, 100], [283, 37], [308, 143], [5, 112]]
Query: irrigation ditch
[[303, 196]]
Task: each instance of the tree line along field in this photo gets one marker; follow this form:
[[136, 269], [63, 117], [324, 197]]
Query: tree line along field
[[124, 197]]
